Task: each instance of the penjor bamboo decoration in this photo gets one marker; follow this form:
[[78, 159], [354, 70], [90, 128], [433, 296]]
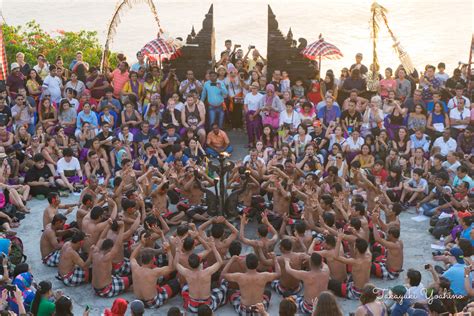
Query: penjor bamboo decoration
[[120, 9], [379, 15]]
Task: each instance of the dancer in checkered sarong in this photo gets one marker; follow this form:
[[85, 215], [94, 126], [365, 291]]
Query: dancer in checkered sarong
[[315, 281], [72, 269], [49, 242], [145, 276], [52, 260], [360, 262], [252, 284], [198, 291], [105, 284], [390, 266]]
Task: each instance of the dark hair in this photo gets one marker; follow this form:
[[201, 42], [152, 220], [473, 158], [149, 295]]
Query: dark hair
[[330, 240], [86, 198], [147, 256], [107, 244], [418, 171], [361, 245], [188, 243], [174, 311], [251, 261], [356, 223], [262, 230], [51, 196], [360, 208], [286, 244], [235, 248], [194, 261], [78, 237], [58, 218], [67, 152], [182, 230], [394, 231], [204, 310], [300, 227], [414, 277], [397, 208], [287, 307], [42, 288], [217, 230], [96, 212], [63, 306], [316, 259], [329, 219], [38, 158]]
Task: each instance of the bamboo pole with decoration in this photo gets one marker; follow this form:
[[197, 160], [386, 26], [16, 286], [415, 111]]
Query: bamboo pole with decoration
[[120, 9], [379, 15]]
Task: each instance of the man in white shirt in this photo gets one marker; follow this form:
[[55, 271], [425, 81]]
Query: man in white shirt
[[191, 83], [445, 143], [454, 101], [42, 67], [52, 83], [459, 117], [69, 169]]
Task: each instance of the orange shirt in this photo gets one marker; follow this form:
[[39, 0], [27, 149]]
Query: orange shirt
[[118, 81], [217, 141]]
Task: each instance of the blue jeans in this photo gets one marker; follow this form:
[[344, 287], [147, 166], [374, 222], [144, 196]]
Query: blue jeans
[[216, 114], [214, 154], [429, 208]]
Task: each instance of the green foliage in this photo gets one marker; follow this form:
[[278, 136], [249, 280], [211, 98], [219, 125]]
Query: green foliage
[[32, 40]]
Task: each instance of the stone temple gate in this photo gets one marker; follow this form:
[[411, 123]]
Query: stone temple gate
[[283, 52]]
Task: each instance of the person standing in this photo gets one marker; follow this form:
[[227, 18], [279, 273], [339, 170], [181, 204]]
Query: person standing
[[358, 65], [15, 80], [214, 93], [53, 84], [253, 103], [118, 78]]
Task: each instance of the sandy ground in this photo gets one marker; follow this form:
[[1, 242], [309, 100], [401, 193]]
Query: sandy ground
[[416, 238]]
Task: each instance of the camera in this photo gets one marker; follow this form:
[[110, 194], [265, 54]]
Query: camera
[[213, 84], [252, 46], [11, 289], [427, 266]]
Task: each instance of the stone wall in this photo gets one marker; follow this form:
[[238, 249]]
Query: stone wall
[[283, 52], [198, 52]]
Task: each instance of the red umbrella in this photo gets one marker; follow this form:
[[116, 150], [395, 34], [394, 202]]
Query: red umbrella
[[160, 47], [321, 49]]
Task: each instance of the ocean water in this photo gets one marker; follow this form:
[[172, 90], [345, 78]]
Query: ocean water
[[431, 31]]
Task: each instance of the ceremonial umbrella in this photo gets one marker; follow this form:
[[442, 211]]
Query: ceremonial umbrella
[[161, 48], [321, 49]]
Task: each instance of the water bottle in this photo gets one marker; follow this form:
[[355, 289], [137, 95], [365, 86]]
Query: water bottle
[[441, 240]]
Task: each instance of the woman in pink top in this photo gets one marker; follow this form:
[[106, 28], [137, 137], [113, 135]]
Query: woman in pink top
[[387, 84]]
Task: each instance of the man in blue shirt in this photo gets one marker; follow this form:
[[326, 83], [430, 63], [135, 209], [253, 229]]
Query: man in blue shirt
[[177, 155], [419, 140], [330, 112], [455, 274], [214, 93]]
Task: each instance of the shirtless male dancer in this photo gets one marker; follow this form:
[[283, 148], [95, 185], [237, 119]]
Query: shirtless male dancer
[[49, 243], [315, 281], [198, 291], [252, 285], [146, 276], [361, 264], [105, 284], [72, 269]]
